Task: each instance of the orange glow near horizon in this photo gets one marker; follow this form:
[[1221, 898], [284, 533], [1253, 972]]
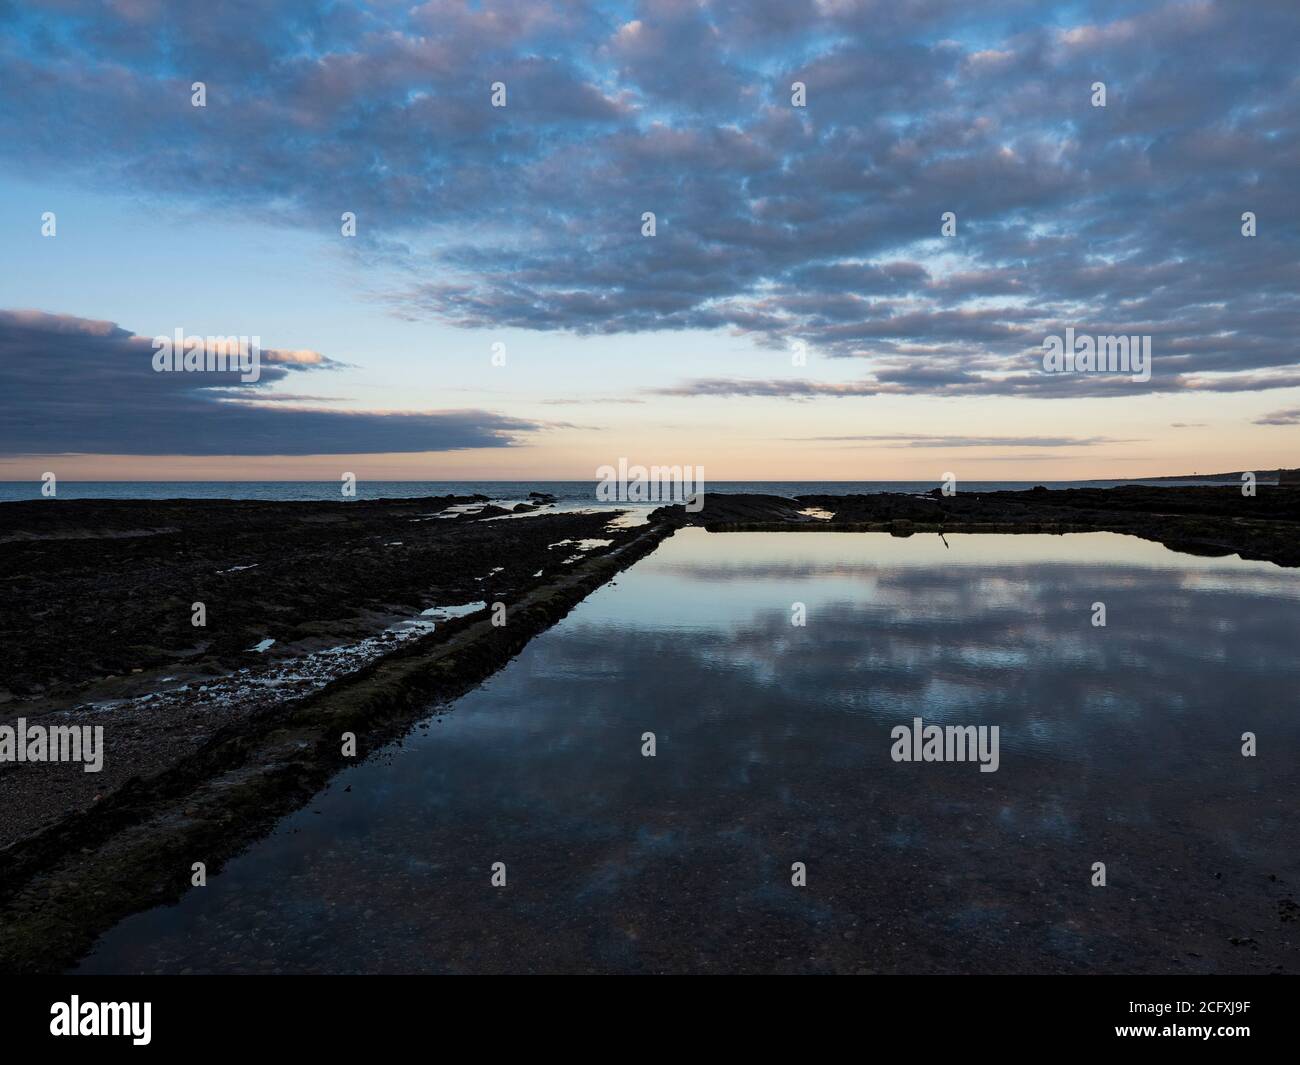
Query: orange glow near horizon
[[524, 464], [891, 439]]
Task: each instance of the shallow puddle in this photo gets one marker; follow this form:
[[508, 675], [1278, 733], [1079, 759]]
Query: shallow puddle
[[1119, 744]]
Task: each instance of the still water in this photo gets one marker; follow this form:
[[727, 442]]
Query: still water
[[1119, 745]]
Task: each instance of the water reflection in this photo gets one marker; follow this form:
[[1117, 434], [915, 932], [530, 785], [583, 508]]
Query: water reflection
[[1119, 744]]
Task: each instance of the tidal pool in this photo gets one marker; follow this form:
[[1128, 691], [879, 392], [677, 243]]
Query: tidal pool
[[1119, 745]]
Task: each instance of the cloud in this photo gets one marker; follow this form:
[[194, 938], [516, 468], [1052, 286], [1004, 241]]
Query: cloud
[[1281, 417], [591, 400], [1028, 381], [74, 385], [924, 440], [775, 223]]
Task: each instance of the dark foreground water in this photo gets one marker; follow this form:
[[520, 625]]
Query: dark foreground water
[[1119, 745]]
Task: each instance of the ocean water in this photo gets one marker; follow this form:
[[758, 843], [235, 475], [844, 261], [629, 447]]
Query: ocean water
[[1118, 745], [570, 492]]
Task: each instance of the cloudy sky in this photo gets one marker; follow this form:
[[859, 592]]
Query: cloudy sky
[[519, 230]]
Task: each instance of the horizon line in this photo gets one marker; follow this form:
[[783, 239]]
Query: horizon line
[[597, 480]]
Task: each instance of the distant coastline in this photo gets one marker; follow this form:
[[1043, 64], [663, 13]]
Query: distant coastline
[[574, 492], [1278, 476]]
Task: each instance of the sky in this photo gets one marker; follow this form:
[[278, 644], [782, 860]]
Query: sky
[[502, 310]]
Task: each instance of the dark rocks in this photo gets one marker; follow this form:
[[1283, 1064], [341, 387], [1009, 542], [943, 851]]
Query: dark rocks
[[97, 866], [95, 589], [1207, 520], [89, 616], [719, 507]]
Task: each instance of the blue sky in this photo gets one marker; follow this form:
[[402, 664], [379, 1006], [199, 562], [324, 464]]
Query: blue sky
[[776, 225]]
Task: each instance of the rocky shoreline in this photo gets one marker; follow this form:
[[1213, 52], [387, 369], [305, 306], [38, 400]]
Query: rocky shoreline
[[97, 616], [201, 790], [1210, 521], [97, 622]]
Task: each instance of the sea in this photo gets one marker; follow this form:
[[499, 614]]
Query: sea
[[566, 492]]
